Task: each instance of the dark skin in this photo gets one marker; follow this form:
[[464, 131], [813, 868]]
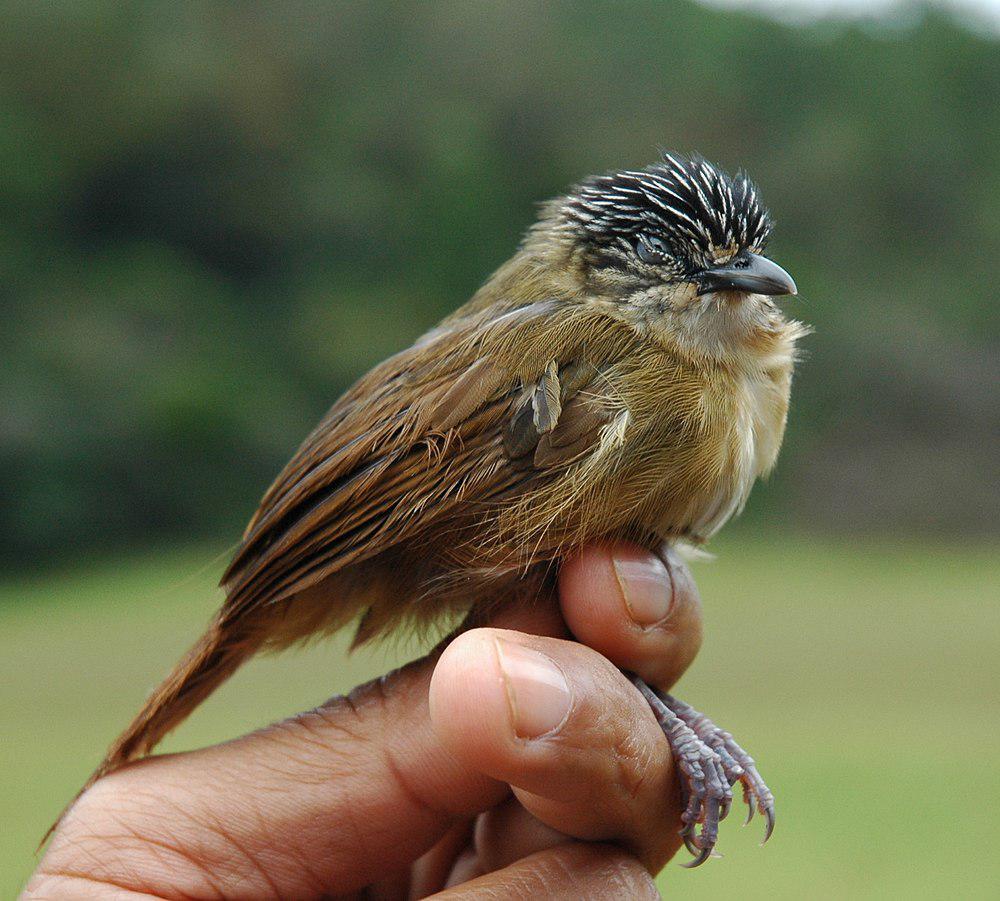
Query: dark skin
[[517, 762]]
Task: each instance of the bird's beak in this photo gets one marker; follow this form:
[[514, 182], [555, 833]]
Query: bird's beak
[[747, 272]]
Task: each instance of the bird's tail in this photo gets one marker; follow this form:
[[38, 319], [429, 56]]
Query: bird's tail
[[212, 660]]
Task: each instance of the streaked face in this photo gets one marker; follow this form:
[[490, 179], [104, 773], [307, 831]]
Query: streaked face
[[682, 224]]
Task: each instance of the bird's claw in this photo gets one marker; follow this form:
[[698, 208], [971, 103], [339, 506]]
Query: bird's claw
[[700, 858], [710, 763], [687, 833], [769, 816]]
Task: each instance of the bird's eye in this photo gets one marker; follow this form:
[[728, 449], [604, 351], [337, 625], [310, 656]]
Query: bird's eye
[[651, 250]]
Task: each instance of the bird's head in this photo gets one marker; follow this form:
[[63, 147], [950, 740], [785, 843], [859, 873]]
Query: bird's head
[[680, 233]]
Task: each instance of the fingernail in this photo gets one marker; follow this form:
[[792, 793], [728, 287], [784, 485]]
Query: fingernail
[[646, 588], [537, 691]]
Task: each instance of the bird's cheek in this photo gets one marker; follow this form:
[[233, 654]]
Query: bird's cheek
[[682, 296]]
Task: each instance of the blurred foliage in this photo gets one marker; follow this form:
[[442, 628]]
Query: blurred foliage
[[214, 216]]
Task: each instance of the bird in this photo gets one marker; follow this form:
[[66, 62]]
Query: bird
[[624, 376]]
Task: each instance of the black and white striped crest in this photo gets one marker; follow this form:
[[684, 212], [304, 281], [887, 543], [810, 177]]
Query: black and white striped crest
[[697, 208]]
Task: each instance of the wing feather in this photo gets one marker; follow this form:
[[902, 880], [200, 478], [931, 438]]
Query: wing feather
[[424, 434]]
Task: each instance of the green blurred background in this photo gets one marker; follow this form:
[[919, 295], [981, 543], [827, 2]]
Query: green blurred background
[[213, 217]]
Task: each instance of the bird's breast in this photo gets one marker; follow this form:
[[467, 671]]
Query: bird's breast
[[734, 434]]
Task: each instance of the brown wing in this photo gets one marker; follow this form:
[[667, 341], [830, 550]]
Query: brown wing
[[485, 406], [460, 418]]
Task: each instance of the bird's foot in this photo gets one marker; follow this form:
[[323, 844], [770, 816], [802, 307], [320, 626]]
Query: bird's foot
[[709, 762]]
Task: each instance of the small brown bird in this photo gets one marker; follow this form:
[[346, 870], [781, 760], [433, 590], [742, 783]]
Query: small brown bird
[[624, 376]]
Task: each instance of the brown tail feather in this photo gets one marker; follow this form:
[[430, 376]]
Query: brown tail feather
[[212, 660]]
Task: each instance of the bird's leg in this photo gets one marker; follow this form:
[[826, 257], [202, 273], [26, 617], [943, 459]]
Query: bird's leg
[[709, 763]]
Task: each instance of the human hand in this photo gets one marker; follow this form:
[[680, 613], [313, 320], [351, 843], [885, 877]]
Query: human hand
[[516, 762]]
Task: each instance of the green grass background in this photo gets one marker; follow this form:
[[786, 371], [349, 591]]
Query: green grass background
[[863, 677]]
